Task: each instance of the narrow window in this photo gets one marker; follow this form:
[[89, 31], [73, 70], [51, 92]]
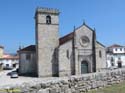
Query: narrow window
[[28, 57], [100, 54], [67, 54], [116, 49], [120, 49], [48, 19], [112, 61]]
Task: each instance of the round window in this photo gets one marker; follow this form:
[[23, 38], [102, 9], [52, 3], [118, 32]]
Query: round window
[[84, 40]]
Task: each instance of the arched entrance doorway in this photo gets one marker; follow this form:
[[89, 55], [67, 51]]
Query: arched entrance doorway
[[84, 67]]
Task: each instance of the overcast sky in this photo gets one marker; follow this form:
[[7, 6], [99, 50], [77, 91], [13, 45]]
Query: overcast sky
[[17, 20]]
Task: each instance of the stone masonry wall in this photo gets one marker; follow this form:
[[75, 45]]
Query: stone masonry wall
[[100, 61], [74, 84]]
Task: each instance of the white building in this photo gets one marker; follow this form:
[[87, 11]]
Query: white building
[[115, 56], [9, 61]]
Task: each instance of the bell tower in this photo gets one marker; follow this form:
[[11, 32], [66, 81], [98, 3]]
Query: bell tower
[[47, 41]]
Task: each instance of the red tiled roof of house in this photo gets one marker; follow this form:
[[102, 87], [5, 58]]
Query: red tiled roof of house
[[115, 45], [8, 56]]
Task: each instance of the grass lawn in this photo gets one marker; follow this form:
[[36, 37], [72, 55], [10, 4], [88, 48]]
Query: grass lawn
[[117, 88]]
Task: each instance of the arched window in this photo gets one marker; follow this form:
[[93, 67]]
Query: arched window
[[100, 54], [48, 19]]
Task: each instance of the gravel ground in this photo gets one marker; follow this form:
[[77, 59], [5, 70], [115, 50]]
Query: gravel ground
[[6, 81]]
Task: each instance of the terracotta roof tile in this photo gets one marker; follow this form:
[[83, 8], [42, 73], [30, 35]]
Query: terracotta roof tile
[[115, 45], [66, 38], [8, 56]]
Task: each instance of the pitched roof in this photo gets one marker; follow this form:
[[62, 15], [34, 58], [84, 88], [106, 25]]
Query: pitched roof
[[115, 45], [100, 43], [9, 56], [69, 36], [66, 38], [29, 48]]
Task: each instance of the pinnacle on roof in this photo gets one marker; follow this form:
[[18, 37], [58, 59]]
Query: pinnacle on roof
[[84, 23]]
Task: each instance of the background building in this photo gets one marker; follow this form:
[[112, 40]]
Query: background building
[[9, 61], [1, 51], [115, 56], [1, 55]]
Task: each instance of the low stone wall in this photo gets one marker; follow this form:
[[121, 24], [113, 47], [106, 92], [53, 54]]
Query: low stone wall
[[73, 84]]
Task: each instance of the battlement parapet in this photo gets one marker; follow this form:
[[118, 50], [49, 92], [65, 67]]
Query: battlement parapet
[[47, 10]]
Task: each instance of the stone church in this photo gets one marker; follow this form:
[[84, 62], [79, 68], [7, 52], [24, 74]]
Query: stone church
[[73, 54]]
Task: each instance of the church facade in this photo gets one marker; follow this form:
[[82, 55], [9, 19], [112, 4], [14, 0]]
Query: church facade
[[73, 54]]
